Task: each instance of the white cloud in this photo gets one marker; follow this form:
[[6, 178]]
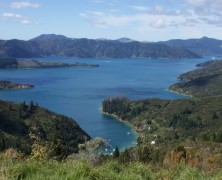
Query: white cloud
[[141, 20], [196, 3], [24, 4], [16, 18], [8, 15], [140, 8], [25, 21], [191, 14], [19, 16], [160, 23], [206, 11]]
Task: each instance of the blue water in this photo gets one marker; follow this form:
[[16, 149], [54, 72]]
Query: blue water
[[79, 92]]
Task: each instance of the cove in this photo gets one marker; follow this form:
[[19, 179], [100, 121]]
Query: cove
[[79, 92]]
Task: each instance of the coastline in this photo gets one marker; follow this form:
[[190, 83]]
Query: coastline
[[135, 130], [8, 85], [176, 92]]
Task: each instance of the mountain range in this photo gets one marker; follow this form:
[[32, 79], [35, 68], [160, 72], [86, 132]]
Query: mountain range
[[59, 45], [204, 46]]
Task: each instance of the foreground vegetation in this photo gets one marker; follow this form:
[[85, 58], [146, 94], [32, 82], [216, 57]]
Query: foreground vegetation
[[111, 169]]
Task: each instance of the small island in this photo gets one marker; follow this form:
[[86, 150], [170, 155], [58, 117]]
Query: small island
[[6, 85], [13, 63]]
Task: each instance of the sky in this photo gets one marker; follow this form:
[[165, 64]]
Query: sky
[[142, 20]]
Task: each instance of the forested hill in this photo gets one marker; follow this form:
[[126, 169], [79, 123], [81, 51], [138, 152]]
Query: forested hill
[[22, 126], [166, 121], [57, 45], [204, 81]]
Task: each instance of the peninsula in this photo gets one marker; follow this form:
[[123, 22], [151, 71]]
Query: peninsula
[[6, 85], [13, 63], [204, 81]]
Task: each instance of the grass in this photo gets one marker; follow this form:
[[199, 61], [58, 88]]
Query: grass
[[110, 170]]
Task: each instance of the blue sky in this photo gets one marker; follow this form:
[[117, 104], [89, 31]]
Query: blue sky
[[143, 20]]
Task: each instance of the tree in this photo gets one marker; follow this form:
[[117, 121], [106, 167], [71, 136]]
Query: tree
[[139, 141], [116, 152], [125, 156]]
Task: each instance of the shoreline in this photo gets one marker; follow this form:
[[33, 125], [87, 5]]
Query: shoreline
[[190, 96], [135, 130], [9, 85]]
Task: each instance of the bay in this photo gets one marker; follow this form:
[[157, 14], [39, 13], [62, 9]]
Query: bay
[[79, 92]]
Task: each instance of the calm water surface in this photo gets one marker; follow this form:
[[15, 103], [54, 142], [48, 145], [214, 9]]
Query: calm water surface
[[79, 92]]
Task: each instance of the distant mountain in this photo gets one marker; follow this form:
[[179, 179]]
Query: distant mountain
[[44, 37], [204, 46], [58, 45], [125, 40]]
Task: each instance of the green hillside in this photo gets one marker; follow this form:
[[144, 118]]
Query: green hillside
[[171, 120], [23, 124], [204, 81]]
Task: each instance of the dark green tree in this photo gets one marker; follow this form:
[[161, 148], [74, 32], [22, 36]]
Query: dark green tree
[[125, 156], [116, 152]]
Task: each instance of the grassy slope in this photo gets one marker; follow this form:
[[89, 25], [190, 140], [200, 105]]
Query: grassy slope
[[112, 170]]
